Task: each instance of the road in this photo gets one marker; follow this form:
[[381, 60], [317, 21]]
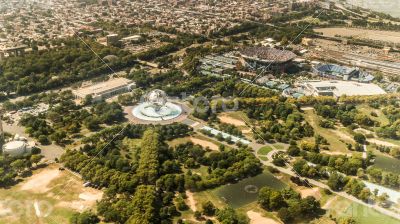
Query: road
[[324, 186]]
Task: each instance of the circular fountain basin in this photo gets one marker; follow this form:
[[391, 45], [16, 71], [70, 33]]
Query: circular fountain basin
[[149, 112]]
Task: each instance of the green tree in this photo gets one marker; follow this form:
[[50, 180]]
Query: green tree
[[360, 138], [35, 159], [208, 208], [84, 218], [144, 206]]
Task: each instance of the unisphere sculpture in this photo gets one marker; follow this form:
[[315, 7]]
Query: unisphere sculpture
[[156, 107], [157, 98]]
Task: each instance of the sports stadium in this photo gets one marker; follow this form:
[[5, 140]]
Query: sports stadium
[[338, 72], [269, 58]]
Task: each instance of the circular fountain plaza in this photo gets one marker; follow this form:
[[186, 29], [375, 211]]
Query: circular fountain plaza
[[156, 108]]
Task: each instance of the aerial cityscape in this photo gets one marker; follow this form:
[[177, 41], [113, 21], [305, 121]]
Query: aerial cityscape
[[199, 111]]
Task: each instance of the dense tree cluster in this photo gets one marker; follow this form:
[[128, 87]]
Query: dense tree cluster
[[347, 114], [13, 167], [342, 163], [378, 176], [225, 166], [230, 129], [146, 177], [73, 62], [37, 127], [289, 204], [279, 120]]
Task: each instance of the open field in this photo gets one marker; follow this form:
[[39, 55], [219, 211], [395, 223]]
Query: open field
[[366, 110], [367, 215], [387, 36], [386, 162], [339, 207], [226, 118], [48, 196], [335, 138], [264, 150], [205, 143], [196, 139], [279, 146], [239, 117]]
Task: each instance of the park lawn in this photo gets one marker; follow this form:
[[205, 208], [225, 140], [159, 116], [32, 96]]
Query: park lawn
[[202, 171], [178, 141], [336, 143], [367, 215], [264, 150], [341, 208], [208, 195], [366, 109]]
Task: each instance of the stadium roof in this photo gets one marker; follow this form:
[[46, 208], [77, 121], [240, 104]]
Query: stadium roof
[[267, 54]]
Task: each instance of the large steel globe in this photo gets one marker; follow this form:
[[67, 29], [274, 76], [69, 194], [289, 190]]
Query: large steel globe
[[157, 97]]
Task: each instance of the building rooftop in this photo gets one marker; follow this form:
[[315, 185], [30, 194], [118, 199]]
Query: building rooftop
[[348, 88], [103, 87]]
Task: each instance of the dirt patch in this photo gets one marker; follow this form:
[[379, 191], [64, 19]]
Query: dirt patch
[[257, 218], [204, 143], [226, 119], [314, 192], [91, 196], [38, 182], [4, 210], [335, 153], [389, 36], [247, 131], [380, 142], [190, 200], [87, 199], [343, 135]]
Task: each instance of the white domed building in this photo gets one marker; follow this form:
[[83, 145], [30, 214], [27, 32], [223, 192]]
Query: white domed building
[[16, 148]]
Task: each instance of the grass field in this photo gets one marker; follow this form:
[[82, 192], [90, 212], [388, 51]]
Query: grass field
[[367, 215], [340, 208], [335, 138], [279, 146], [57, 194], [381, 118], [386, 162], [264, 151]]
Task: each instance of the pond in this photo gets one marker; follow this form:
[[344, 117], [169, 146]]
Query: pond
[[387, 163], [246, 191]]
